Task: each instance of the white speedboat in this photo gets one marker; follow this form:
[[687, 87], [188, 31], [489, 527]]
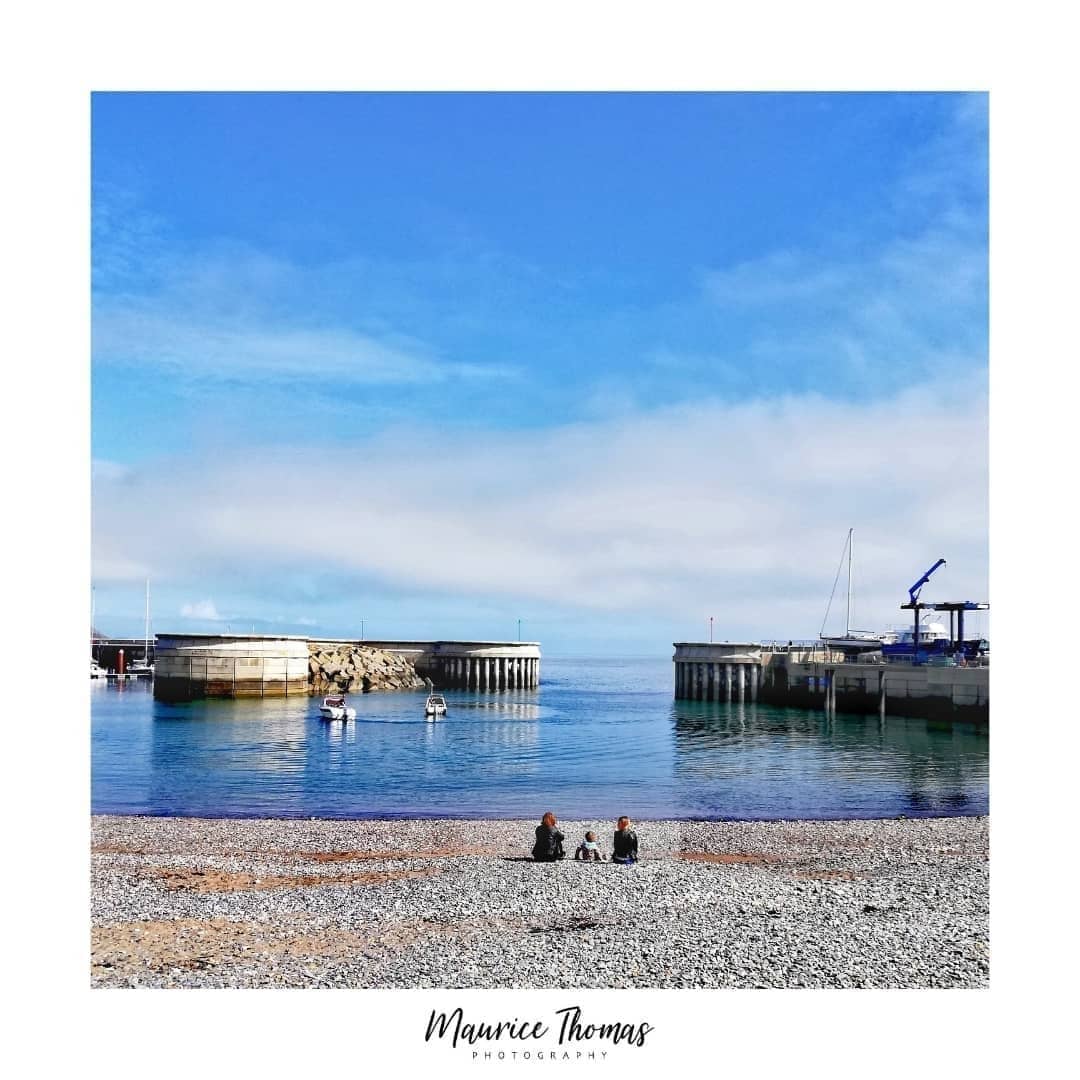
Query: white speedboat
[[434, 707], [334, 708], [97, 671], [141, 667]]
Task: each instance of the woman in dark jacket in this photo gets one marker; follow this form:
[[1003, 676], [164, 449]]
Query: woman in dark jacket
[[548, 846], [624, 849]]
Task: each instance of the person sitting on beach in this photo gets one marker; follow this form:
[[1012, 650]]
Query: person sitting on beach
[[548, 846], [589, 849], [625, 847]]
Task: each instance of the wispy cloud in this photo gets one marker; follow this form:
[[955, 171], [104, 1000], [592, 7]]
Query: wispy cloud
[[203, 610], [739, 507], [908, 312], [149, 334], [226, 312]]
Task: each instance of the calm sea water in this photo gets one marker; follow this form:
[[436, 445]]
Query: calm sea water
[[597, 739]]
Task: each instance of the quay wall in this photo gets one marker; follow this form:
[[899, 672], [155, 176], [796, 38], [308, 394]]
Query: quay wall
[[808, 678], [188, 666]]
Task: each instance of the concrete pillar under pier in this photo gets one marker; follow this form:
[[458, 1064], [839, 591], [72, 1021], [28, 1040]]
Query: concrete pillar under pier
[[729, 676], [742, 682], [755, 675]]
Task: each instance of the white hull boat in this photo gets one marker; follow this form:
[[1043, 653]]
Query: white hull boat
[[434, 707], [334, 708], [97, 671]]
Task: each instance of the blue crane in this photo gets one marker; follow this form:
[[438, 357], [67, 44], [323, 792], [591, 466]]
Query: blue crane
[[915, 589]]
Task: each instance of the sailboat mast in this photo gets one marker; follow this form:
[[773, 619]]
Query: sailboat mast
[[847, 628], [146, 628]]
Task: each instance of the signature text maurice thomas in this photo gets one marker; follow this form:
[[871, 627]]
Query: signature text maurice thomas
[[570, 1026]]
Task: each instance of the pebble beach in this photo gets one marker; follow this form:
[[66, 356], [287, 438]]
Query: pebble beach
[[182, 902]]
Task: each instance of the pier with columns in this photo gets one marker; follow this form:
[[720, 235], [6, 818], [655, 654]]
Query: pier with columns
[[725, 671], [820, 678], [482, 666]]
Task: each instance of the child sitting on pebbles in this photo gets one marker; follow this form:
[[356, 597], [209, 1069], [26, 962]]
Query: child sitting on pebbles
[[589, 849]]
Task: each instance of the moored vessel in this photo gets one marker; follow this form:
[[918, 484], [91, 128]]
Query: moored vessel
[[334, 708]]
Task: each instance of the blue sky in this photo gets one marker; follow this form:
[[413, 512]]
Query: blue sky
[[606, 363]]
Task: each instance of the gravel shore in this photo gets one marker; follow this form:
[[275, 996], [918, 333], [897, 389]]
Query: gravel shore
[[181, 902]]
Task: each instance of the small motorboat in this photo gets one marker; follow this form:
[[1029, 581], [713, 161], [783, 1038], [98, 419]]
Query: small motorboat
[[334, 708], [97, 671], [434, 707]]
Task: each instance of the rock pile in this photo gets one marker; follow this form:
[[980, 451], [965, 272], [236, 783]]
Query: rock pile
[[357, 669]]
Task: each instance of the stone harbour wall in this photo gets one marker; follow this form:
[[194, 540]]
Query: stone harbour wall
[[359, 669]]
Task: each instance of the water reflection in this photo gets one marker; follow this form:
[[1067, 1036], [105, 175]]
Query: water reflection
[[751, 760]]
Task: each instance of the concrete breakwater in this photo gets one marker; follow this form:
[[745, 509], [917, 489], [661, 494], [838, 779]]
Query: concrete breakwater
[[818, 678], [189, 666]]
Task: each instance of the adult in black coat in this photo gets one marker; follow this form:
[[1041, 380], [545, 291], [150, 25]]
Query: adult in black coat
[[549, 841], [624, 848]]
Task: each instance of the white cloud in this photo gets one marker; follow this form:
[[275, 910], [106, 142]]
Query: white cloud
[[739, 510], [149, 333], [203, 609]]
